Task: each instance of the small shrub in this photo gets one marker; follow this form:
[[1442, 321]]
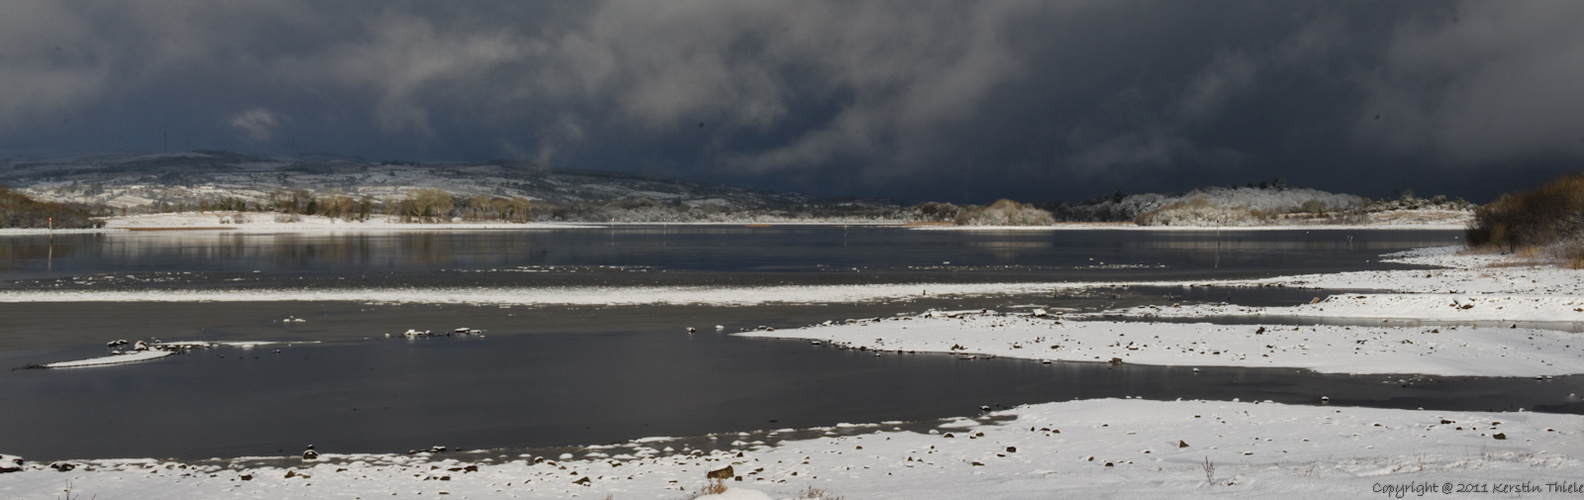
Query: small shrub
[[1569, 251], [813, 493]]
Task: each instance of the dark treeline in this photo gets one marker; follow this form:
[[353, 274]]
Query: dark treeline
[[18, 211]]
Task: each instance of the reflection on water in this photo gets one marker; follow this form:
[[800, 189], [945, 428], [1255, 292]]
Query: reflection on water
[[412, 258]]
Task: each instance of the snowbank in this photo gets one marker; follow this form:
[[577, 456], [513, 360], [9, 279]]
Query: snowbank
[[1389, 224], [31, 231], [1332, 349], [1489, 288], [1092, 448], [1424, 307], [1466, 287], [1479, 274]]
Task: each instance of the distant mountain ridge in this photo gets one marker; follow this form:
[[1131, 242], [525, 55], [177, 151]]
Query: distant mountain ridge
[[218, 181], [135, 182]]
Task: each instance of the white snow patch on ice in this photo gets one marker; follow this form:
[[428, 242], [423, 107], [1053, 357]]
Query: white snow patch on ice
[[130, 357]]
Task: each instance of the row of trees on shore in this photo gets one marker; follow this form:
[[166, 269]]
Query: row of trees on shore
[[19, 211], [1268, 203], [1250, 205], [420, 205]]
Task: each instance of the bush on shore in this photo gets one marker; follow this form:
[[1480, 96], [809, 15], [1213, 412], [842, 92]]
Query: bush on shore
[[1004, 213], [1200, 212], [1551, 218]]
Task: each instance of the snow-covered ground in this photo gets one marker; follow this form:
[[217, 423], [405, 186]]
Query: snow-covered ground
[[1426, 307], [1466, 287], [1091, 448], [1331, 349], [1128, 226], [1458, 273], [1492, 288]]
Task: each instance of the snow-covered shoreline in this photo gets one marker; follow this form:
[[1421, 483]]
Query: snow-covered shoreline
[[1547, 295], [1450, 351], [1103, 447], [1128, 226]]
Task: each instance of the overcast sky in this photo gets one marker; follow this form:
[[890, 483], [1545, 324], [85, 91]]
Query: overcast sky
[[916, 100]]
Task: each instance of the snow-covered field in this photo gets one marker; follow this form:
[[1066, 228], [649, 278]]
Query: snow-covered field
[[1091, 448], [1110, 447], [1427, 307], [1493, 288], [1467, 287], [1330, 349], [1128, 226]]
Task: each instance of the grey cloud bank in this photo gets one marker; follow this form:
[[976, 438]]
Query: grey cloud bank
[[915, 100]]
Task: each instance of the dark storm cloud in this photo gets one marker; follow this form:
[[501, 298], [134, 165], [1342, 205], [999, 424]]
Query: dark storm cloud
[[920, 100]]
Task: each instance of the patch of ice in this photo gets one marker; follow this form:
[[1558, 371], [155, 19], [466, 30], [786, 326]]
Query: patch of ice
[[130, 357]]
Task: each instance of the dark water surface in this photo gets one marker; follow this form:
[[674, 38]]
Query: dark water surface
[[557, 389], [687, 255], [547, 376]]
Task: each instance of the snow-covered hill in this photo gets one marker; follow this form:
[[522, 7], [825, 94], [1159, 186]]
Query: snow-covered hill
[[139, 182]]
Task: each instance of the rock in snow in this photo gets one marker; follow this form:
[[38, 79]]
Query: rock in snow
[[10, 463]]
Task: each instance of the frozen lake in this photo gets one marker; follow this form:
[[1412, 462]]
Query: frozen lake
[[548, 376]]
